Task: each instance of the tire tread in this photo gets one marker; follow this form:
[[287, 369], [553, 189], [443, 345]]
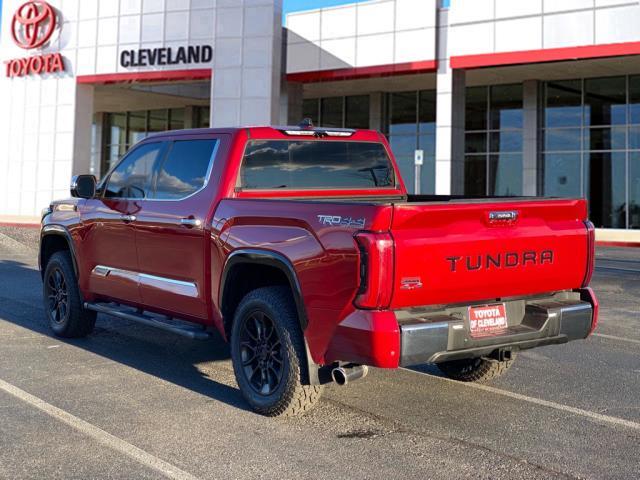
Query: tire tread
[[81, 322], [299, 397]]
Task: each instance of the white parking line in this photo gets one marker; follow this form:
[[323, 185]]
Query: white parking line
[[115, 443], [620, 339], [606, 419]]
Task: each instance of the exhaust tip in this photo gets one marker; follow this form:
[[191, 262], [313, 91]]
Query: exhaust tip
[[343, 375], [339, 376]]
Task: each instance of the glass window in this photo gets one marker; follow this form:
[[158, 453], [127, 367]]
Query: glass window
[[131, 178], [158, 120], [506, 107], [204, 117], [475, 175], [117, 128], [357, 111], [476, 142], [634, 190], [274, 164], [185, 169], [562, 139], [476, 108], [411, 118], [331, 112], [562, 174], [311, 109], [605, 138], [634, 138], [563, 104], [605, 101], [176, 119], [506, 141], [634, 100], [137, 127], [403, 116], [605, 181], [505, 175], [427, 112]]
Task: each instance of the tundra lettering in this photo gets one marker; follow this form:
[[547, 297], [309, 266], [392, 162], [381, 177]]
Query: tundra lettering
[[303, 249], [507, 260]]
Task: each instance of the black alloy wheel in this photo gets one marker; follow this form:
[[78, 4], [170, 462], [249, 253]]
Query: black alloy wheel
[[57, 295], [269, 355], [62, 302], [261, 353]]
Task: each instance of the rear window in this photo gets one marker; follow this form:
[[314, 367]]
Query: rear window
[[273, 164]]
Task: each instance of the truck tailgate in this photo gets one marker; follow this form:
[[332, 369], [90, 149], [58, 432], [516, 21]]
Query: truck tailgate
[[475, 251]]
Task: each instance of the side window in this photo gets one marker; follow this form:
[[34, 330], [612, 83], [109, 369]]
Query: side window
[[132, 178], [185, 169]]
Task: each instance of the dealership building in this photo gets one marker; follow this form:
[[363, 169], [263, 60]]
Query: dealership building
[[479, 97]]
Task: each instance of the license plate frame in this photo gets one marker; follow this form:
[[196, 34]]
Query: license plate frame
[[487, 320]]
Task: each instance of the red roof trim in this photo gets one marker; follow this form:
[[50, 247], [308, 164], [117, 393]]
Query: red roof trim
[[546, 55], [427, 66], [618, 244], [155, 76]]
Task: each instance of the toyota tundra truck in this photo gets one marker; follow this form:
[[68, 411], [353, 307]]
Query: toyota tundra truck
[[302, 248]]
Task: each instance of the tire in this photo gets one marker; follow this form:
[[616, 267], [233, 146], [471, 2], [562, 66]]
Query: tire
[[62, 303], [269, 355], [476, 369]]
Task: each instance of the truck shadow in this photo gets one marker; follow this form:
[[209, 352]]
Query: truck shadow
[[161, 354]]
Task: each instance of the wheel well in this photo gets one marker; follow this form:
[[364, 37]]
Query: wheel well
[[243, 278], [49, 245]]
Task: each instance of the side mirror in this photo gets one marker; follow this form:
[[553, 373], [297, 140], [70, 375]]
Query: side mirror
[[83, 186]]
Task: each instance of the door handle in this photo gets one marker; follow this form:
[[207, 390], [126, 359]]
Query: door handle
[[190, 222], [128, 218]]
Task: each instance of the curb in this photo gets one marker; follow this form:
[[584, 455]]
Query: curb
[[19, 225], [618, 244]]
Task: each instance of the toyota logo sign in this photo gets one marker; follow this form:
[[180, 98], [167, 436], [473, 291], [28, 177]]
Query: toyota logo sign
[[33, 24]]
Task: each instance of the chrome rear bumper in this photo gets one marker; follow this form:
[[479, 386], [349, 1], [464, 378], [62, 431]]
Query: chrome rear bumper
[[440, 338]]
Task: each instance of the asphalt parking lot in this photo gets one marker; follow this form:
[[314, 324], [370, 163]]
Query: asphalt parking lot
[[133, 402]]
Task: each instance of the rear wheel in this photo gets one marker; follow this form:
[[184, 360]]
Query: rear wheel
[[476, 369], [62, 304], [269, 356]]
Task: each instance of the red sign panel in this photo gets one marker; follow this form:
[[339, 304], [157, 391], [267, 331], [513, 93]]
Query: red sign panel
[[487, 320], [33, 24]]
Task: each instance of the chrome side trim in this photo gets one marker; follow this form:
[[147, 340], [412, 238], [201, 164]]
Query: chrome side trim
[[178, 287], [101, 271], [170, 285]]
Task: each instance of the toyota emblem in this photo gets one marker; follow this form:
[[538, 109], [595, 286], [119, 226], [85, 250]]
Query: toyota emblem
[[33, 24]]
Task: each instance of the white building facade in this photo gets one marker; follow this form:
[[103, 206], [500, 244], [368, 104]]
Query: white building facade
[[503, 97]]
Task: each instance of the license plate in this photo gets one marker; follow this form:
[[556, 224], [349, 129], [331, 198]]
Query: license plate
[[487, 320]]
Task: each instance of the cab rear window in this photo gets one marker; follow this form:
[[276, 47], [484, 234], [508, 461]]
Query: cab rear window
[[284, 164]]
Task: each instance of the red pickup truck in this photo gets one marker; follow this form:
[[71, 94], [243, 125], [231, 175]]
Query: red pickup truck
[[302, 248]]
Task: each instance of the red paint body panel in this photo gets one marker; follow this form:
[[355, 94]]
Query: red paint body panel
[[426, 235], [415, 240]]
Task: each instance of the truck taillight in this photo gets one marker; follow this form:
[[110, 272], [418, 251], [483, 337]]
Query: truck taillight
[[376, 270], [591, 253]]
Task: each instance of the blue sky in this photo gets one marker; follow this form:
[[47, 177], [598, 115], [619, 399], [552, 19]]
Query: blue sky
[[298, 5]]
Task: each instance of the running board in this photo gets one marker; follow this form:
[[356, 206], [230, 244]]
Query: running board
[[178, 327]]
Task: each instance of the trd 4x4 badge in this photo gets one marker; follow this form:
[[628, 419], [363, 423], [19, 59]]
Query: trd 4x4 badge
[[338, 221]]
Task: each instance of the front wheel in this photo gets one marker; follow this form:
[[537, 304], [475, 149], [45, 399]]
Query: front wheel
[[269, 356], [62, 303], [476, 369]]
